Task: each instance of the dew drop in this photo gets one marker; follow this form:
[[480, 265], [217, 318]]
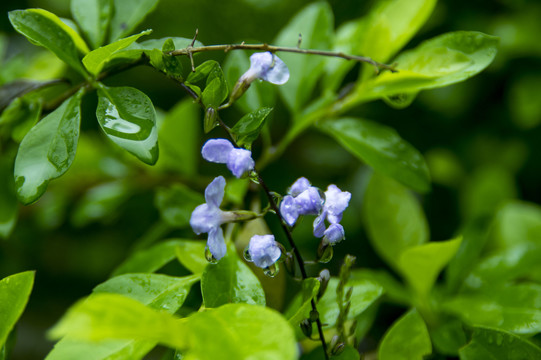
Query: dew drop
[[210, 258], [247, 256], [325, 253], [271, 271]]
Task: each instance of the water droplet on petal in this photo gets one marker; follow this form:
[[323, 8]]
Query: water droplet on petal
[[247, 256], [210, 258], [271, 271]]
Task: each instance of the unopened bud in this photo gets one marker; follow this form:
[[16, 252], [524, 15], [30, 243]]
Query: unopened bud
[[324, 277], [324, 252], [338, 349], [211, 120], [314, 316], [306, 327]]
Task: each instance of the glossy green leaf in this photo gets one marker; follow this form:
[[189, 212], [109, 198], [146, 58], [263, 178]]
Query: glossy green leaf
[[309, 291], [95, 60], [441, 61], [202, 71], [247, 129], [315, 23], [394, 219], [14, 293], [382, 148], [407, 339], [216, 89], [149, 260], [128, 118], [9, 206], [160, 292], [515, 308], [176, 204], [394, 289], [93, 17], [178, 138], [191, 254], [46, 29], [494, 344], [422, 264], [48, 150], [516, 223], [230, 281], [127, 15], [448, 335]]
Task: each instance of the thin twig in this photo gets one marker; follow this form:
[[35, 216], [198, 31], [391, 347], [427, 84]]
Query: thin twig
[[265, 47]]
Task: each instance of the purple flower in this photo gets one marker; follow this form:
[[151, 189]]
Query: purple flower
[[336, 202], [266, 66], [207, 218], [264, 250], [221, 151], [303, 199]]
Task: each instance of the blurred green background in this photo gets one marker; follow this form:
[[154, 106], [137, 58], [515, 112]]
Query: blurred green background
[[480, 138]]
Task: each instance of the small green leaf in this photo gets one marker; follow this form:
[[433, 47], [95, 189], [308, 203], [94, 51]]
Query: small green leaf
[[14, 293], [407, 339], [216, 90], [230, 281], [394, 219], [382, 148], [247, 129], [202, 71], [394, 289], [495, 344], [48, 150], [191, 254], [310, 288], [128, 118], [95, 60], [46, 29], [421, 264], [127, 15], [176, 204], [314, 24], [93, 17]]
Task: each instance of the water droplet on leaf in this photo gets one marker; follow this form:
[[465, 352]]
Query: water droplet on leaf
[[271, 271], [210, 258], [247, 256]]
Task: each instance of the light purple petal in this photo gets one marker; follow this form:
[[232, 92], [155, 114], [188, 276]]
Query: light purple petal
[[260, 63], [299, 186], [217, 150], [216, 243], [334, 233], [319, 225], [263, 250], [336, 201], [277, 73], [214, 193], [204, 218], [288, 210], [240, 162], [309, 202]]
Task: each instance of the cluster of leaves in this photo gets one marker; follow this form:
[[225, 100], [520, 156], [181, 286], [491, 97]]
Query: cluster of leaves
[[487, 306]]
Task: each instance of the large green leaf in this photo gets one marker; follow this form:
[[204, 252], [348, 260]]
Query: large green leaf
[[127, 15], [128, 118], [394, 219], [95, 60], [315, 25], [191, 254], [93, 17], [516, 223], [494, 344], [422, 264], [441, 61], [46, 29], [176, 204], [14, 293], [407, 339], [160, 292], [48, 150], [247, 129], [230, 281], [382, 148]]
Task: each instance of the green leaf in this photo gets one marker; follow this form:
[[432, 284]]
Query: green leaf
[[494, 344], [202, 71], [93, 17], [516, 223], [160, 292], [216, 90], [9, 206], [315, 24], [20, 116], [422, 264], [247, 129], [230, 281], [515, 308], [191, 254], [441, 61], [48, 150], [382, 148], [176, 204], [149, 260], [309, 291], [14, 293], [394, 289], [394, 219], [128, 118], [45, 29], [127, 15], [178, 139], [95, 60], [407, 339]]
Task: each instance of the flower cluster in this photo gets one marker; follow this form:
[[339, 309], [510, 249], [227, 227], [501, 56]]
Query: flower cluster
[[305, 199]]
